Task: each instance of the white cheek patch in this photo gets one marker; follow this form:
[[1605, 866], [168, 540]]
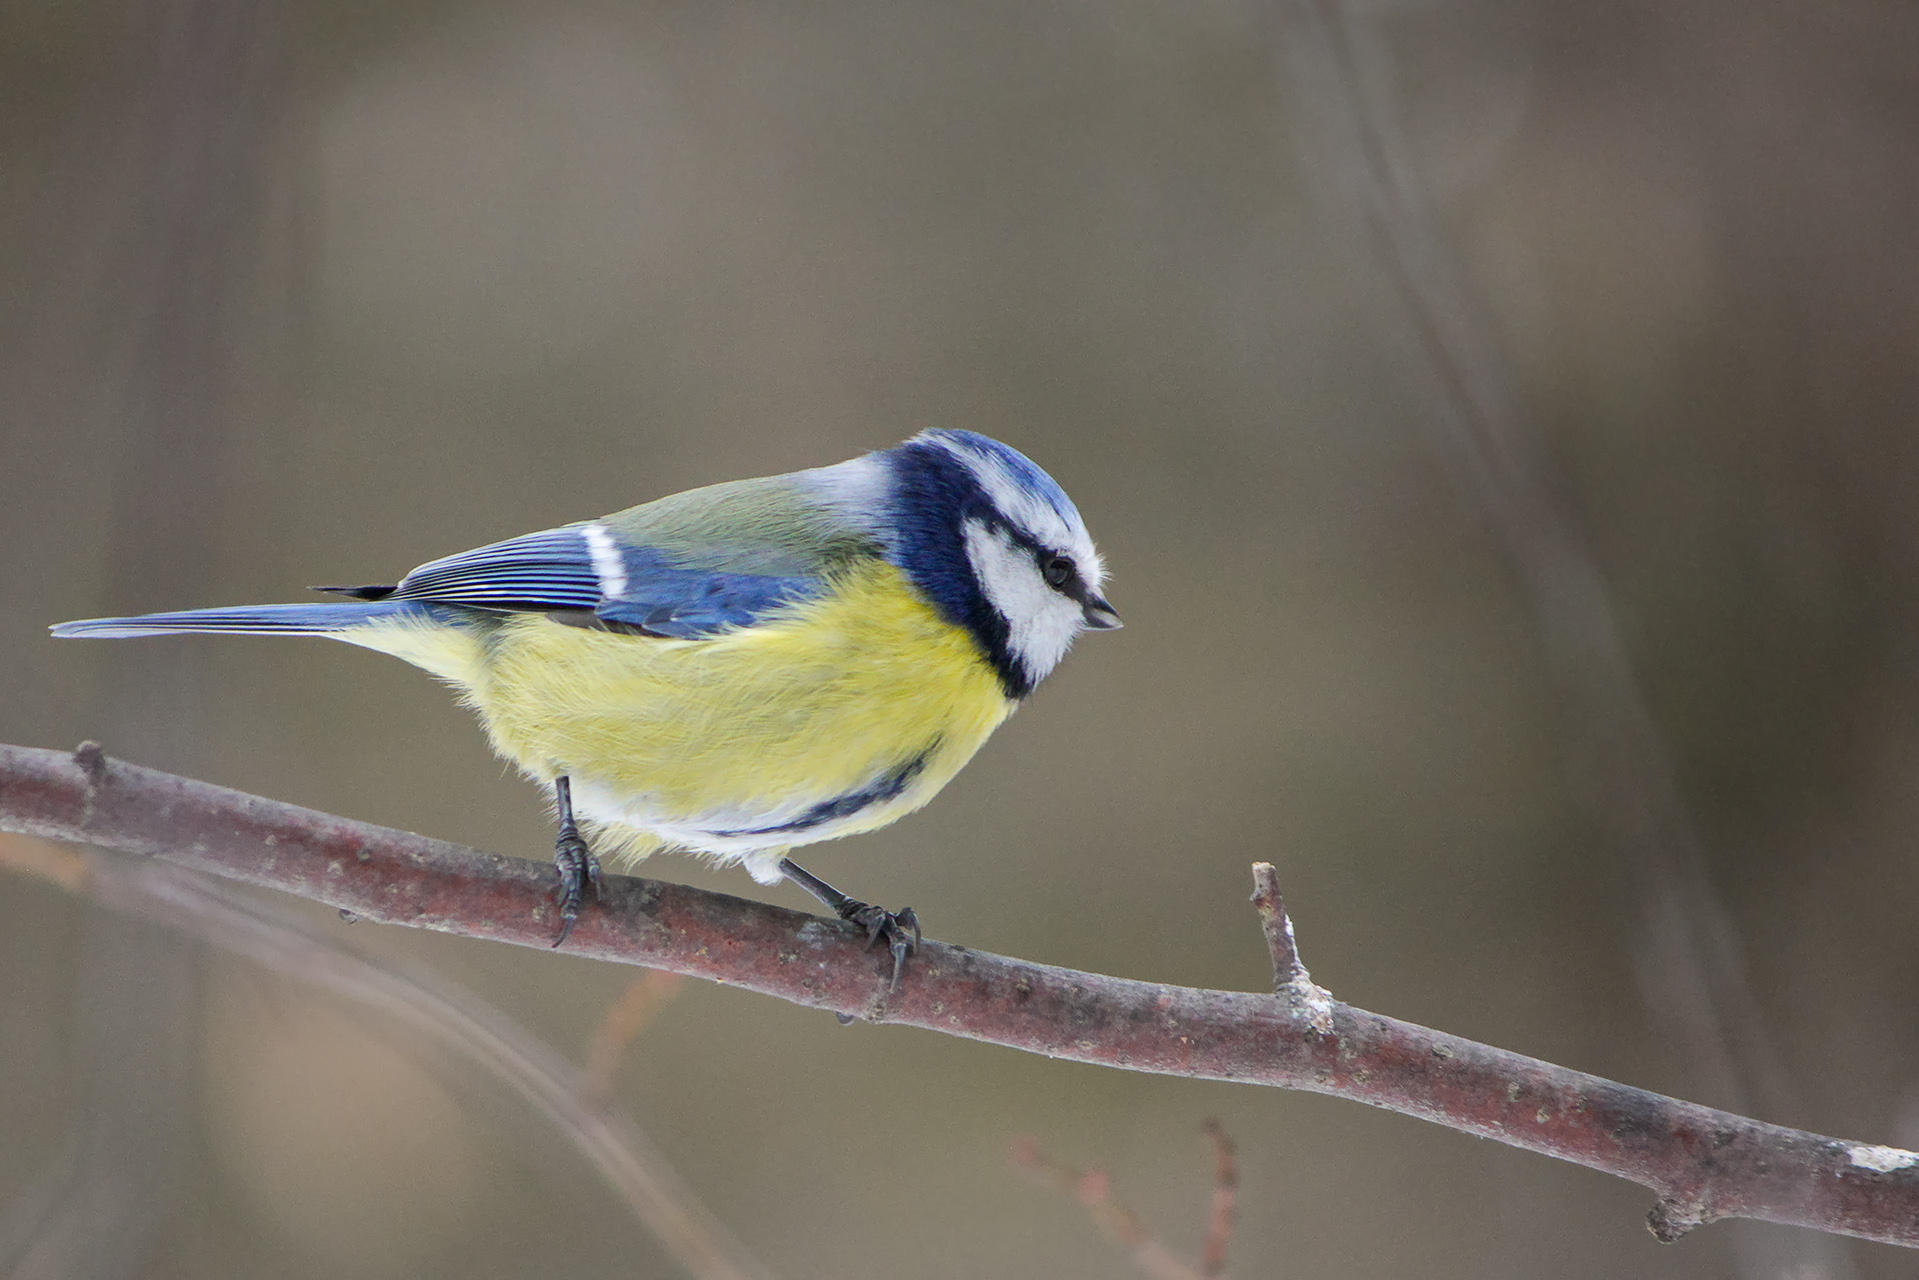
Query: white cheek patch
[[1040, 622]]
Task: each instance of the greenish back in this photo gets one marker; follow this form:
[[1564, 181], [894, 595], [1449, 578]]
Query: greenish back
[[762, 526]]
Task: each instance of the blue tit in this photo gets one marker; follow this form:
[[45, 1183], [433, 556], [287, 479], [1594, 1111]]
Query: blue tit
[[741, 669]]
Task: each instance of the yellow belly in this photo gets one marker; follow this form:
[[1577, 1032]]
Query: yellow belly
[[669, 739]]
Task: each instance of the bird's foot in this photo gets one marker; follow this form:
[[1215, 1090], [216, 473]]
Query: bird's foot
[[890, 927], [577, 867]]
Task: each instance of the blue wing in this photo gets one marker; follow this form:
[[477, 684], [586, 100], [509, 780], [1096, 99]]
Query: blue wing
[[548, 570], [585, 568]]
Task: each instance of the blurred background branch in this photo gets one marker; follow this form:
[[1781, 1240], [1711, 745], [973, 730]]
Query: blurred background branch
[[1223, 1214], [179, 243], [1094, 1190], [638, 1005], [427, 1007], [1690, 964]]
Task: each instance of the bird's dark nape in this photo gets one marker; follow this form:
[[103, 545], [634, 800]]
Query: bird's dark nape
[[358, 593], [934, 495]]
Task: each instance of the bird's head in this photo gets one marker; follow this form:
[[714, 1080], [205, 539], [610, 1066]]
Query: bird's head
[[990, 538]]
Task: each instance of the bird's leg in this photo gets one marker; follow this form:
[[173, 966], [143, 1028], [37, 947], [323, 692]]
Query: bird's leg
[[880, 925], [573, 860]]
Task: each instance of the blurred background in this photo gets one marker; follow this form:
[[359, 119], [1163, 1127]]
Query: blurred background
[[1498, 417]]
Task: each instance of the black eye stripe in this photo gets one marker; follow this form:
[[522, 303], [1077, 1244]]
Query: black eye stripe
[[1059, 571]]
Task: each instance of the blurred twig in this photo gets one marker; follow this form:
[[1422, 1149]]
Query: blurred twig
[[1095, 1190], [1224, 1213], [642, 1000], [1694, 971], [184, 185], [1703, 1164], [453, 1018]]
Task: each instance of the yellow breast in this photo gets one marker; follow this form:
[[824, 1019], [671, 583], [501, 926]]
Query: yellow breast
[[675, 738]]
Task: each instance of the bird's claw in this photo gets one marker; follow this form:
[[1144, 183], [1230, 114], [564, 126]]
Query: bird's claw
[[578, 869], [890, 927]]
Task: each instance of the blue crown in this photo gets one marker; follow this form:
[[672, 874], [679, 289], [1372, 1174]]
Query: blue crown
[[1024, 471]]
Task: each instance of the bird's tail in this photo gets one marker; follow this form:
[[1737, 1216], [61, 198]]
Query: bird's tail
[[265, 619]]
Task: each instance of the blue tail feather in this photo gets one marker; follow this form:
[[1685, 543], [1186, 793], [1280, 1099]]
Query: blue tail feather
[[266, 619]]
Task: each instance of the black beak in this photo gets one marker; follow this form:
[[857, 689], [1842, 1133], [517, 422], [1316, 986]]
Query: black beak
[[1100, 616]]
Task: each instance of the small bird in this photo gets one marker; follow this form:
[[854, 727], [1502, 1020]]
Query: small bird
[[744, 668]]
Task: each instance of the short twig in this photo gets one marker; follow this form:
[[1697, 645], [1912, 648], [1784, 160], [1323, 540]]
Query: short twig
[[1290, 978], [92, 759], [1278, 927]]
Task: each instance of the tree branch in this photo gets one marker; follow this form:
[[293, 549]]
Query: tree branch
[[1701, 1163]]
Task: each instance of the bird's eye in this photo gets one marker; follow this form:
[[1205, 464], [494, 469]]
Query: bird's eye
[[1057, 570]]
